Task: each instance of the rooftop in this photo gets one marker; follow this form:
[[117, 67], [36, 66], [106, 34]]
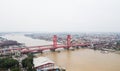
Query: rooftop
[[41, 61]]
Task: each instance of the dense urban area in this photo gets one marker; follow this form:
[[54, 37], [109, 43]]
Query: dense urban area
[[15, 61], [104, 40]]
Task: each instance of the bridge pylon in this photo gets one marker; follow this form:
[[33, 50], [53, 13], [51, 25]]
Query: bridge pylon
[[54, 41], [69, 41]]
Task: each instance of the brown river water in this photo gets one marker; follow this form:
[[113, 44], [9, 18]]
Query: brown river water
[[77, 60]]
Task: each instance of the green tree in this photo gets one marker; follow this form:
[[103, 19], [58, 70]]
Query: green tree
[[8, 63], [28, 63], [15, 69]]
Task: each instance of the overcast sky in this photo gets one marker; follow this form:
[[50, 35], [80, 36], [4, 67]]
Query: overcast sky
[[60, 15]]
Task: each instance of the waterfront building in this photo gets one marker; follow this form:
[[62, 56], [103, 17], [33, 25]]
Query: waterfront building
[[43, 64]]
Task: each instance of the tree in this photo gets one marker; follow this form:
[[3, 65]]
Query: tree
[[8, 63], [28, 63], [15, 69]]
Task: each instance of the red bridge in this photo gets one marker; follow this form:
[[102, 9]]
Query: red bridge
[[52, 47]]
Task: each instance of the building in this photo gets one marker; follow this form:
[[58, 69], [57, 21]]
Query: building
[[43, 64]]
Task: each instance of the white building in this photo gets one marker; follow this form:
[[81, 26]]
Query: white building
[[43, 63]]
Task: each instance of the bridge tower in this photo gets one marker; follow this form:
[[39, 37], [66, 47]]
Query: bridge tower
[[68, 41], [55, 41]]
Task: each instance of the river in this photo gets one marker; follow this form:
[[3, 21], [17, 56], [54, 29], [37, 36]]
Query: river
[[77, 60], [27, 40]]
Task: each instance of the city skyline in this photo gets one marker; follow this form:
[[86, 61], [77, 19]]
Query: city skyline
[[59, 16]]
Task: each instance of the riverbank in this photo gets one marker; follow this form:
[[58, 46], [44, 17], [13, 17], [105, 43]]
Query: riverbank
[[104, 50], [117, 52]]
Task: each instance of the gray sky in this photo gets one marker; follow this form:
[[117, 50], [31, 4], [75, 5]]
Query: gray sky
[[60, 15]]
